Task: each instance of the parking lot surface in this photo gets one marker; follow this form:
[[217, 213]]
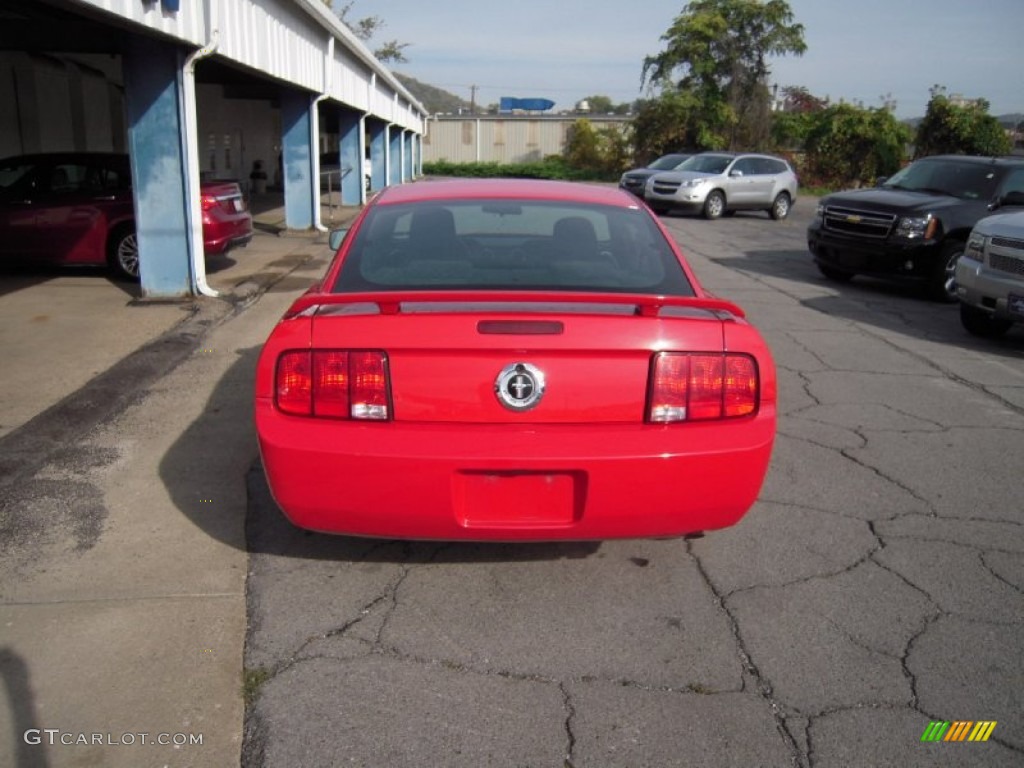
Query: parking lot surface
[[875, 587], [149, 581]]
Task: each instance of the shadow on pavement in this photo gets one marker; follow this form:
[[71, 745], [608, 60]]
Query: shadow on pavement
[[888, 306], [14, 673]]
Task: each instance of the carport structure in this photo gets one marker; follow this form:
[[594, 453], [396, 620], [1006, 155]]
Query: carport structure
[[197, 89]]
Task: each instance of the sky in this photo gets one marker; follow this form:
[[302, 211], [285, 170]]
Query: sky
[[565, 50]]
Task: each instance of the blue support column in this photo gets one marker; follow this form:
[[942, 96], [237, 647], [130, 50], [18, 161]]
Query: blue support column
[[395, 155], [406, 156], [153, 103], [378, 138], [351, 158], [300, 188]]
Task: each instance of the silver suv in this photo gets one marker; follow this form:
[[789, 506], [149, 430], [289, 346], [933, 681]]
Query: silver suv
[[718, 183], [990, 275]]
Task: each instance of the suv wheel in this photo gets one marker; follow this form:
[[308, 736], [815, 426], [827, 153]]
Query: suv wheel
[[780, 207], [714, 205], [942, 286], [978, 322]]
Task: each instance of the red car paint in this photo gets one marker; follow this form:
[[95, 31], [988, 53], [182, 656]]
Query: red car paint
[[76, 208], [441, 455]]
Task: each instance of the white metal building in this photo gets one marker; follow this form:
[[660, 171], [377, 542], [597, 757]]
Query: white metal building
[[193, 88]]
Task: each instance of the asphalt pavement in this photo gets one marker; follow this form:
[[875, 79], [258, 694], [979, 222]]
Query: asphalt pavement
[[150, 587], [875, 588]]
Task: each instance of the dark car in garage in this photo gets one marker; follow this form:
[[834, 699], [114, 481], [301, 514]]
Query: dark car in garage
[[75, 208]]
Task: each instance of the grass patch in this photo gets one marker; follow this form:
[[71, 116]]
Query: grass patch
[[252, 682]]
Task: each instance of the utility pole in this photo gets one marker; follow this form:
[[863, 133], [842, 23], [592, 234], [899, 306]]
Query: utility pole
[[472, 99]]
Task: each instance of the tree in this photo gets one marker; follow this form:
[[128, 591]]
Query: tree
[[596, 153], [796, 98], [365, 28], [717, 51], [791, 124], [603, 105], [963, 127], [600, 105], [849, 145], [661, 125]]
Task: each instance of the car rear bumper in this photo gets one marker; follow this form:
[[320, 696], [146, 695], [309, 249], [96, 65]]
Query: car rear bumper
[[538, 482], [224, 243]]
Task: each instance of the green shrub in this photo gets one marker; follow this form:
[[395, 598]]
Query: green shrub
[[551, 167]]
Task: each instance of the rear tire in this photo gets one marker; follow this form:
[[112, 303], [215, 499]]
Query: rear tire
[[123, 253], [714, 205], [780, 207], [978, 322]]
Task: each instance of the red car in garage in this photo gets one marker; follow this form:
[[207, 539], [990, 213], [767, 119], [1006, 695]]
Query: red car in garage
[[76, 208], [513, 360]]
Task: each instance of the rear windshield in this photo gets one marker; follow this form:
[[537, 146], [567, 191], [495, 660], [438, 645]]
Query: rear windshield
[[512, 245]]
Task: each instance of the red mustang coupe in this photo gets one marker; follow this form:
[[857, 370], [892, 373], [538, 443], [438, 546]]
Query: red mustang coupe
[[513, 360]]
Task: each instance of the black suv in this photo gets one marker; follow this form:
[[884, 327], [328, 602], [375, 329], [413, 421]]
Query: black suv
[[914, 225]]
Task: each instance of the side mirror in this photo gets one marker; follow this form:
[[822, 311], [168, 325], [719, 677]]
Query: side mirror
[[336, 238], [881, 180], [1015, 197], [736, 174]]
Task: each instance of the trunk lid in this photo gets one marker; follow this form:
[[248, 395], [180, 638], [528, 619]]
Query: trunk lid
[[446, 359]]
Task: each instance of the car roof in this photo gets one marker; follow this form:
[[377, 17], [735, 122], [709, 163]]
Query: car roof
[[974, 159], [524, 189]]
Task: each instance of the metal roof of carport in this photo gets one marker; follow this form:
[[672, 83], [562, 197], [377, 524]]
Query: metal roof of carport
[[288, 40]]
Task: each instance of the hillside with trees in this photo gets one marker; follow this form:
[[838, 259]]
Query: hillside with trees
[[436, 100]]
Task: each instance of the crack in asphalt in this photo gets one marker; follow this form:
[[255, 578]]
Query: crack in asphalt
[[995, 574], [825, 576], [824, 365], [886, 477], [934, 601], [392, 594], [764, 687], [570, 714], [866, 441]]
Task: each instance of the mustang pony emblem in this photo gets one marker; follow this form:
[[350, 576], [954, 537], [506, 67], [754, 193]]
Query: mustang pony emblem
[[519, 386]]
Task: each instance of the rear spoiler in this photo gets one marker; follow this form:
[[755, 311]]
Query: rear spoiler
[[390, 302]]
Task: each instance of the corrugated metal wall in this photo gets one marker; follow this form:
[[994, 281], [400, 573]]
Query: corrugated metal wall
[[288, 40], [509, 139]]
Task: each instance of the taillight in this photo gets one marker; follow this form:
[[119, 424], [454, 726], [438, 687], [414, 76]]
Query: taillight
[[696, 387], [333, 383], [207, 202]]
